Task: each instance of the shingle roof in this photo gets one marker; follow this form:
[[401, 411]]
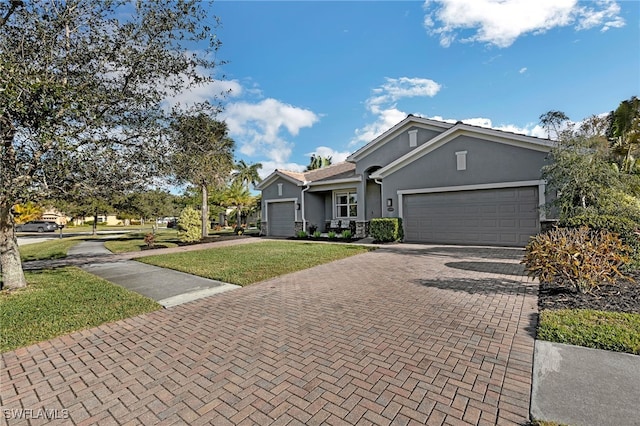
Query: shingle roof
[[335, 171]]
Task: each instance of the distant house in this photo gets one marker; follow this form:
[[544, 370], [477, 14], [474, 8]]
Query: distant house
[[450, 183]]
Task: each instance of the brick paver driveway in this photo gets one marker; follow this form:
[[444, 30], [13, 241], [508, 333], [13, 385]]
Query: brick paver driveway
[[407, 334]]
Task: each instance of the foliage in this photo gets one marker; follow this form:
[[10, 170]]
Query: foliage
[[581, 175], [249, 263], [60, 301], [189, 225], [83, 105], [247, 174], [346, 234], [317, 234], [27, 212], [386, 229], [238, 230], [135, 241], [202, 156], [553, 121], [302, 234], [318, 162], [332, 235], [578, 257], [239, 197], [624, 132], [624, 227], [613, 331], [312, 228], [150, 240]]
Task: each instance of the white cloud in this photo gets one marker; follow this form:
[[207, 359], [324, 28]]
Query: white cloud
[[259, 128], [382, 104], [523, 70], [325, 151], [269, 166], [501, 22]]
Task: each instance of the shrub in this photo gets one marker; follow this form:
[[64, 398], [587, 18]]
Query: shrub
[[578, 257], [317, 234], [238, 230], [386, 229], [189, 225], [332, 235], [624, 227], [346, 234], [301, 234], [150, 240], [312, 228]]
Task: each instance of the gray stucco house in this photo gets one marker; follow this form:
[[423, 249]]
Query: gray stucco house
[[450, 183]]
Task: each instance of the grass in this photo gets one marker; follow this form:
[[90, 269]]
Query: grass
[[135, 241], [613, 331], [61, 301], [52, 249], [249, 263]]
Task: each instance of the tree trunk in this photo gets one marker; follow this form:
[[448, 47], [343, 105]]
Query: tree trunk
[[205, 211], [95, 223], [10, 263]]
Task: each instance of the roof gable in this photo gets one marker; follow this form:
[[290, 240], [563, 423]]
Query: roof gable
[[389, 135], [342, 170], [461, 129]]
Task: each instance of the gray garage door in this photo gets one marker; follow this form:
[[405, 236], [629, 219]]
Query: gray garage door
[[281, 219], [507, 216]]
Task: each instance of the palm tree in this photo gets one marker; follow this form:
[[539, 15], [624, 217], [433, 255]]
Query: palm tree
[[624, 130], [318, 162], [238, 196], [247, 174]]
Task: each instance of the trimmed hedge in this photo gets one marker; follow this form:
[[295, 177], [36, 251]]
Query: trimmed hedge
[[387, 229]]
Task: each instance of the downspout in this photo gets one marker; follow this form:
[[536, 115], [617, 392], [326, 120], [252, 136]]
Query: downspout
[[304, 219]]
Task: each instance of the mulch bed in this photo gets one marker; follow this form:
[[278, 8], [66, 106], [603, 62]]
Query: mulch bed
[[622, 297]]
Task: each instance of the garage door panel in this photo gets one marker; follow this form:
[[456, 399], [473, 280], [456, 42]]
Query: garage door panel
[[281, 219], [505, 216]]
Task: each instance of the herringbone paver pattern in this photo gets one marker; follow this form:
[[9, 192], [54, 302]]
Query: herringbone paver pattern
[[402, 335]]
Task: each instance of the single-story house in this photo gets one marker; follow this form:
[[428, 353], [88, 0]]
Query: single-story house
[[450, 183]]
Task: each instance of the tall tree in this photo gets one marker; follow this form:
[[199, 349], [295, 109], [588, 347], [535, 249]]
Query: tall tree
[[203, 155], [239, 197], [247, 174], [624, 131], [318, 162], [76, 75], [552, 122]]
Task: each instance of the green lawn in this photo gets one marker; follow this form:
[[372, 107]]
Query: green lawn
[[51, 249], [61, 301], [250, 263], [612, 331], [134, 241]]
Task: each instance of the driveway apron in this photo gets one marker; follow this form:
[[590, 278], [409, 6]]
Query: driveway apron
[[407, 334]]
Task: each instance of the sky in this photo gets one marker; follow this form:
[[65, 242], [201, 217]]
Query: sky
[[327, 77]]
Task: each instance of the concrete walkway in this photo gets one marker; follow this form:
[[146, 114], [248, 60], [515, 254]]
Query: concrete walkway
[[165, 286]]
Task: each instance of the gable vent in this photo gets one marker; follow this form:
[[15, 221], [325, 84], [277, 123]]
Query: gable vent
[[413, 138]]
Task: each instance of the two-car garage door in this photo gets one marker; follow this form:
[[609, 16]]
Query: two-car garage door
[[504, 216]]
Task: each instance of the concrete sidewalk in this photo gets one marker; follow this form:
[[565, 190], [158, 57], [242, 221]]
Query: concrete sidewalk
[[583, 387], [165, 286]]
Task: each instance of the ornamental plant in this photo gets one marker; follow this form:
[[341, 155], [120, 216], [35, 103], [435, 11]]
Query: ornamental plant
[[577, 257], [386, 229], [189, 225]]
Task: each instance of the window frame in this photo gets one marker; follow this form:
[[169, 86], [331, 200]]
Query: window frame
[[337, 205]]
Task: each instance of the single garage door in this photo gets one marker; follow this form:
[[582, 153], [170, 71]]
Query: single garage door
[[281, 219], [506, 216]]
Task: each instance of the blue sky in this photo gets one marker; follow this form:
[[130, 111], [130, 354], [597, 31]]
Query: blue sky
[[327, 77]]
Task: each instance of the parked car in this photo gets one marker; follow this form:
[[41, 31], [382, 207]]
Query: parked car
[[37, 226], [173, 223]]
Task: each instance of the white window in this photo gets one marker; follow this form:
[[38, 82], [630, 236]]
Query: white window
[[346, 204], [461, 160]]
